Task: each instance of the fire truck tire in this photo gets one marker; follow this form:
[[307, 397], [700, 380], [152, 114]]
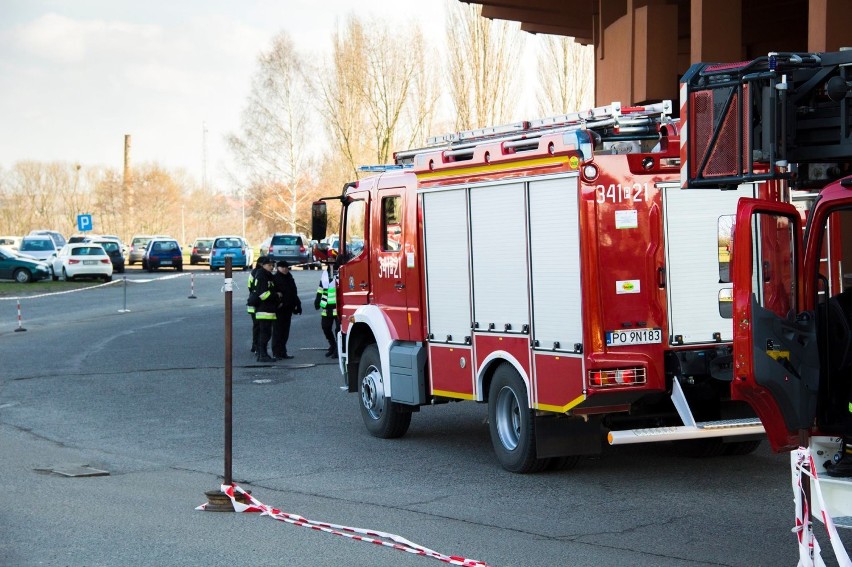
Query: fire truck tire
[[511, 423], [383, 418]]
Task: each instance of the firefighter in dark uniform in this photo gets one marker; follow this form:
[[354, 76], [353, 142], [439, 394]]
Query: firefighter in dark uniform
[[252, 301], [288, 305], [265, 312]]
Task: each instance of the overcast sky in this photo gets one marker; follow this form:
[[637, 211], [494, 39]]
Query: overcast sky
[[77, 75]]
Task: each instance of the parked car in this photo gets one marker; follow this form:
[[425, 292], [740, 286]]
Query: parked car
[[38, 247], [117, 239], [230, 246], [162, 253], [113, 250], [13, 242], [200, 250], [138, 245], [294, 248], [81, 260], [13, 266], [75, 238], [57, 237]]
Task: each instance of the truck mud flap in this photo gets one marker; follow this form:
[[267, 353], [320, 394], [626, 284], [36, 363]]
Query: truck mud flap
[[557, 436]]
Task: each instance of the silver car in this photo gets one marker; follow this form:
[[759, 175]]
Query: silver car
[[138, 245], [294, 248]]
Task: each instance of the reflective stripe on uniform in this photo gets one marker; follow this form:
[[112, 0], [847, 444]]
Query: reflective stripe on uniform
[[265, 315], [250, 309]]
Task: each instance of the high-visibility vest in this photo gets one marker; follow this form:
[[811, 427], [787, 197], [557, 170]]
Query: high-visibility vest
[[251, 284], [328, 289]]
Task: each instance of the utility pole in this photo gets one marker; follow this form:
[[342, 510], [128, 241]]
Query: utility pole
[[127, 188], [204, 156]]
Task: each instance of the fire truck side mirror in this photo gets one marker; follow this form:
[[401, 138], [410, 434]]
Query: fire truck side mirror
[[319, 220]]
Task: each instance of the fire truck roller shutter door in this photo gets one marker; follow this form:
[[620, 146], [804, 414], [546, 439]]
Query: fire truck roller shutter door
[[692, 260], [445, 224], [557, 308], [499, 246]]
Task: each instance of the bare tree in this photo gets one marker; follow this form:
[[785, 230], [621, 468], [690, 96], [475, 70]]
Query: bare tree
[[340, 95], [272, 145], [566, 74], [45, 195], [378, 94], [483, 64]]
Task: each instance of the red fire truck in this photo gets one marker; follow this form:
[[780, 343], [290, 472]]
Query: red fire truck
[[786, 119], [560, 271]]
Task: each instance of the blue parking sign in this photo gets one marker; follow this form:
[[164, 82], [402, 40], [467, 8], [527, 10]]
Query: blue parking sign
[[84, 222]]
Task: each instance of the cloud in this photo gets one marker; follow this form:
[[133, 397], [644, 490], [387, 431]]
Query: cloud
[[60, 39]]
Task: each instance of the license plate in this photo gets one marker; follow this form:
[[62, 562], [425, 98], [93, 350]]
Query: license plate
[[166, 262], [90, 262], [229, 255], [634, 337]]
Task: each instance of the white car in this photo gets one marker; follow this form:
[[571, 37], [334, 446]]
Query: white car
[[82, 260], [13, 242], [38, 247]]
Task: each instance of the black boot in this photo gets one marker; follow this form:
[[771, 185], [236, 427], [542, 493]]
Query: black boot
[[843, 466], [263, 357]]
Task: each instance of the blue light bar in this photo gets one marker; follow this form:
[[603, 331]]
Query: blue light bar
[[384, 167]]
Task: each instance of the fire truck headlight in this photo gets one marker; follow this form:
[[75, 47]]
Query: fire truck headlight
[[590, 172]]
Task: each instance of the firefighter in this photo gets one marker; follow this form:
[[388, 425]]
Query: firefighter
[[327, 301], [265, 311], [252, 302], [288, 305]]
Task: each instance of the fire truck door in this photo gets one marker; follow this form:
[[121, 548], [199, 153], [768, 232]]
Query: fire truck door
[[698, 284], [391, 243], [353, 286], [776, 359]]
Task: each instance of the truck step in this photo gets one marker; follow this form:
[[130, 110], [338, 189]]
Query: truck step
[[690, 429], [702, 430]]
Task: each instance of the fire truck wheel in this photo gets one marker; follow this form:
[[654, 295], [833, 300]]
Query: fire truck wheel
[[382, 417], [511, 423]]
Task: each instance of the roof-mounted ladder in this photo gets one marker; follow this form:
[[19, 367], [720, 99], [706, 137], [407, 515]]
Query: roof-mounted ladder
[[610, 122]]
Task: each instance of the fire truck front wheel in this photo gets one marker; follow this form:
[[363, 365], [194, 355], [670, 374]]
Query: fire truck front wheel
[[511, 423], [383, 418]]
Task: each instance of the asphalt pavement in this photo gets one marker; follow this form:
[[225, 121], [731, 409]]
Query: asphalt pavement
[[133, 385]]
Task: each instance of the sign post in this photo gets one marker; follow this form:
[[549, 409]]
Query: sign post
[[84, 222]]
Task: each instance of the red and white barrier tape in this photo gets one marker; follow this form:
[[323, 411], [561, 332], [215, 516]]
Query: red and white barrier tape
[[802, 465], [113, 282], [37, 296], [369, 536]]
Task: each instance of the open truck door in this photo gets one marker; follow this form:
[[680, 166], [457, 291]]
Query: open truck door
[[776, 356]]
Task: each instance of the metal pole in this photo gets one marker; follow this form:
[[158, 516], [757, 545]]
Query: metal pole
[[125, 310], [192, 286], [20, 324], [229, 292]]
